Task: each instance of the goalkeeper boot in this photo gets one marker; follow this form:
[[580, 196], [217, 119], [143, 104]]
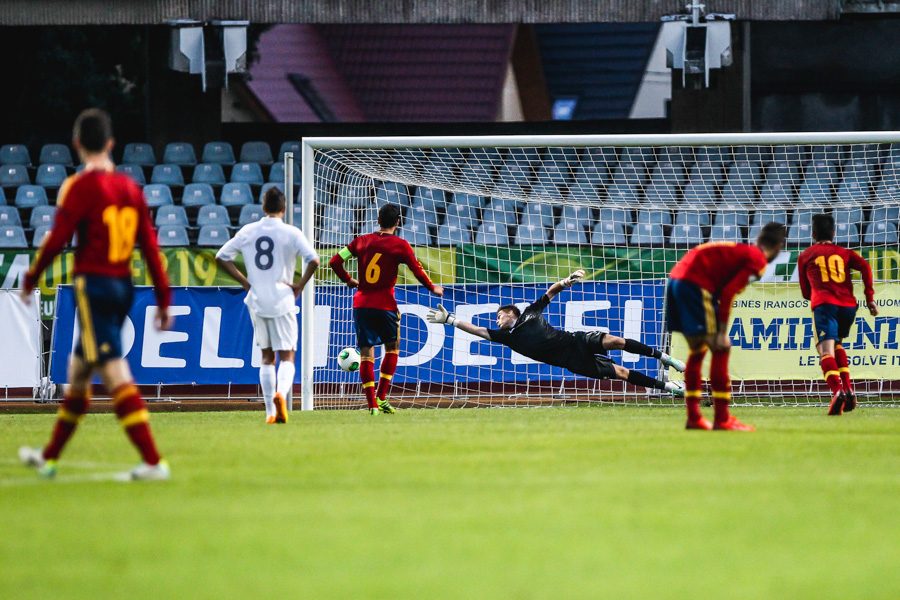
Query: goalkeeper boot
[[145, 472], [281, 413], [34, 457], [386, 407], [849, 401], [701, 423], [732, 424], [836, 406], [671, 361], [676, 388]]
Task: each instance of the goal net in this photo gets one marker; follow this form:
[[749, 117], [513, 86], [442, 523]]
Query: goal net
[[497, 220]]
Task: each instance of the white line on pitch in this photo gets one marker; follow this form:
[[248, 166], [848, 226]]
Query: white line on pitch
[[122, 477]]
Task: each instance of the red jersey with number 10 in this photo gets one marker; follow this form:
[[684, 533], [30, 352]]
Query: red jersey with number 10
[[380, 254], [824, 273]]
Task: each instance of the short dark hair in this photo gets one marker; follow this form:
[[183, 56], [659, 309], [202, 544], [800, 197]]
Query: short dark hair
[[273, 201], [823, 227], [511, 308], [389, 215], [93, 129], [772, 235]]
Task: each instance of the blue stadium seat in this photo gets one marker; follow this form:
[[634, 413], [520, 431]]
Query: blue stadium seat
[[569, 232], [590, 173], [686, 234], [650, 217], [602, 158], [236, 194], [506, 205], [29, 196], [250, 173], [50, 175], [531, 231], [582, 189], [577, 213], [867, 154], [478, 169], [42, 216], [647, 234], [527, 157], [563, 155], [157, 194], [785, 172], [198, 194], [888, 190], [420, 215], [832, 153], [885, 213], [217, 152], [846, 234], [713, 154], [250, 213], [464, 212], [881, 233], [276, 173], [14, 175], [15, 154], [637, 154], [725, 233], [789, 153], [415, 233], [627, 180], [492, 234], [710, 172], [2, 197], [848, 216], [741, 182], [12, 236], [294, 147], [336, 234], [861, 173], [212, 236], [179, 153], [818, 179], [209, 173], [171, 215], [265, 188], [543, 213], [369, 220], [499, 217], [776, 192], [9, 215], [213, 214], [39, 234], [391, 192], [552, 179], [432, 200], [139, 153], [768, 215], [259, 152], [690, 217], [732, 217], [297, 215], [700, 193], [514, 178], [168, 174], [57, 154], [615, 214], [133, 171], [799, 234], [680, 155], [172, 235], [608, 233]]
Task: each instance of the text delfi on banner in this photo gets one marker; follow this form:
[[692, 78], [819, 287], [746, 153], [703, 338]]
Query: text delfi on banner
[[773, 337]]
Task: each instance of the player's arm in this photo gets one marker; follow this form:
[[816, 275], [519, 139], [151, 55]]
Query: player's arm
[[442, 315], [68, 214], [310, 257], [860, 264], [416, 267], [337, 265], [803, 277], [225, 259], [562, 284], [150, 249]]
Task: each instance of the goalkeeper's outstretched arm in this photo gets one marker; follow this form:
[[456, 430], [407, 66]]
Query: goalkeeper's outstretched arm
[[442, 315], [562, 284]]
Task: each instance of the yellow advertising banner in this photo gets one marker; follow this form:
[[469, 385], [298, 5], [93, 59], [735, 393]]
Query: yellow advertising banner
[[772, 336]]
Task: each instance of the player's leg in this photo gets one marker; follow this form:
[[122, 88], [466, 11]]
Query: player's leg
[[693, 382], [687, 313], [367, 377], [283, 332], [846, 318], [720, 381], [284, 383], [612, 342], [826, 326], [637, 378], [390, 335], [267, 379]]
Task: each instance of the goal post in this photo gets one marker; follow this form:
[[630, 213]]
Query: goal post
[[497, 219]]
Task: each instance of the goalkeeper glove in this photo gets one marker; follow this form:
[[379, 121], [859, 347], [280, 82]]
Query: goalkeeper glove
[[440, 315], [575, 277]]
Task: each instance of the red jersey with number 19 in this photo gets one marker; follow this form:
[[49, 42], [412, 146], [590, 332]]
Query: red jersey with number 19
[[380, 254], [824, 273]]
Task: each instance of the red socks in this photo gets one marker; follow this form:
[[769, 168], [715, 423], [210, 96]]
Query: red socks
[[388, 368], [73, 408], [832, 375], [721, 385], [693, 380], [840, 357], [133, 415], [367, 376]]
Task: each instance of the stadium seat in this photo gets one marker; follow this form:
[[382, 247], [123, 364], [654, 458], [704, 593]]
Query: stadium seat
[[492, 234], [30, 196], [832, 153], [712, 172], [741, 182], [432, 200], [14, 175], [265, 188], [56, 154], [732, 217], [421, 215], [9, 215], [259, 152], [539, 211], [881, 233], [415, 233], [514, 178], [298, 215], [680, 155], [179, 153], [218, 152], [39, 234], [647, 234], [50, 175], [601, 158], [637, 154], [569, 232], [172, 235], [171, 215], [885, 213], [590, 174], [499, 216], [803, 216], [552, 180], [353, 194], [393, 193], [799, 234], [725, 233], [686, 234], [480, 167], [615, 214], [776, 192], [785, 172], [454, 231], [852, 192], [700, 193], [212, 236], [626, 183], [369, 220], [12, 236], [213, 214], [466, 213], [532, 231], [289, 147], [887, 191], [794, 154], [250, 173], [168, 174], [15, 154], [42, 216], [713, 154], [846, 234], [650, 217], [685, 217], [577, 213], [250, 213], [235, 194], [210, 173], [769, 215], [868, 154], [133, 171], [198, 194], [337, 225], [847, 216], [276, 173], [157, 194], [581, 189], [608, 233], [139, 153], [472, 200], [2, 197], [818, 178]]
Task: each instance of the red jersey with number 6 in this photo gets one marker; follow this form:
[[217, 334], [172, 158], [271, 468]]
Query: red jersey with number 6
[[108, 212], [379, 255], [824, 273]]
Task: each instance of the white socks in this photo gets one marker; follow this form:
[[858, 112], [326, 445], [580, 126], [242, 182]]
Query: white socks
[[267, 381], [286, 371]]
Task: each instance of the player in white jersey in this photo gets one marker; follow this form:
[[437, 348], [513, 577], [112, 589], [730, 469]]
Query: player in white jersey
[[270, 248]]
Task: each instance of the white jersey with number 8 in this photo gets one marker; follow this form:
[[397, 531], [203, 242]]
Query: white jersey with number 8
[[270, 248]]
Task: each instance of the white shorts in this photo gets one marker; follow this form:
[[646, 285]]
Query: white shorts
[[277, 333]]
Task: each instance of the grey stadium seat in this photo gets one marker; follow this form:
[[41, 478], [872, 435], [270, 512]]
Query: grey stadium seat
[[881, 233], [213, 214], [157, 194], [649, 217], [531, 232], [289, 146], [29, 196], [725, 233], [775, 192], [464, 212], [179, 153], [767, 216], [847, 215], [250, 213], [50, 175], [493, 234], [15, 154], [741, 182], [543, 213], [133, 171], [58, 154], [846, 234], [453, 232], [168, 174], [198, 194], [12, 236], [210, 173], [171, 215], [42, 216], [235, 194], [803, 216], [39, 234], [503, 217], [420, 215], [569, 232], [732, 217], [251, 173], [138, 153], [686, 234], [615, 214], [172, 235], [218, 152], [690, 217], [9, 215], [212, 236], [415, 233], [885, 213], [799, 234], [430, 199], [608, 233], [853, 192], [700, 193], [647, 234], [259, 152]]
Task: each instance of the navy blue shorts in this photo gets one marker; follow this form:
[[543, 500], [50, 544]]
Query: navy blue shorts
[[375, 326], [103, 304], [833, 322], [690, 309]]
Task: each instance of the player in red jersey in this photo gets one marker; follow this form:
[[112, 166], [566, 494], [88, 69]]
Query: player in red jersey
[[374, 306], [108, 211], [701, 288], [824, 273]]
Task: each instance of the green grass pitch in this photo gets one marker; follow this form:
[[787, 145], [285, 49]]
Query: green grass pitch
[[613, 502]]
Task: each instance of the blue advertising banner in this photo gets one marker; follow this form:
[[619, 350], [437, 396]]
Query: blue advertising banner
[[211, 341]]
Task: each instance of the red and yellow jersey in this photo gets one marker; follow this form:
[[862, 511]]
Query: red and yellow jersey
[[379, 255], [824, 273], [723, 269], [108, 212]]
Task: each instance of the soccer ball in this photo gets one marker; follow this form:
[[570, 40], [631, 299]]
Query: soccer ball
[[348, 359]]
